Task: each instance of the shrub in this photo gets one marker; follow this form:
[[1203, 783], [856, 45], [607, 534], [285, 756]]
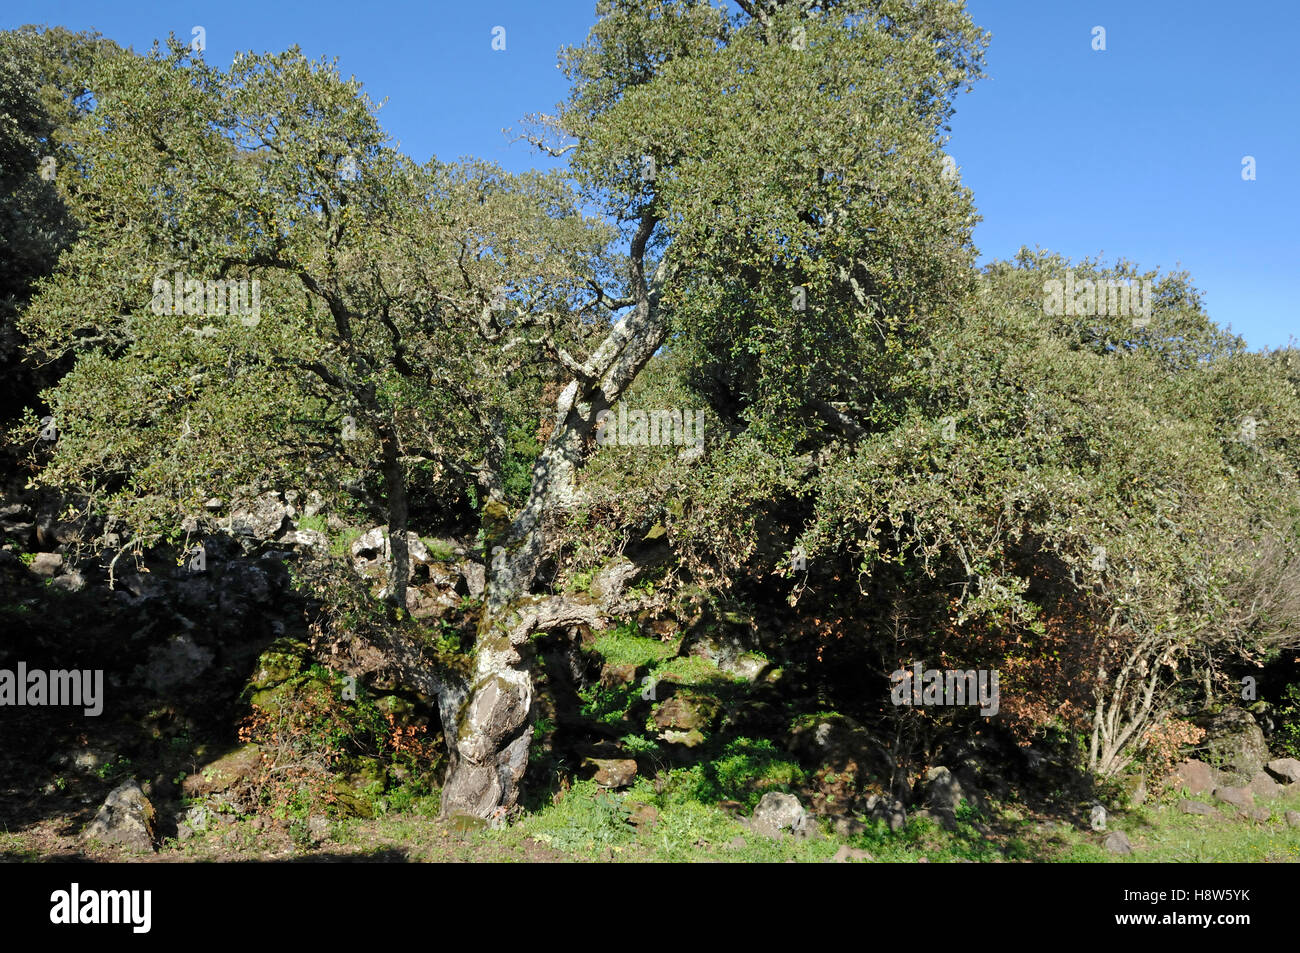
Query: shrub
[[1287, 739]]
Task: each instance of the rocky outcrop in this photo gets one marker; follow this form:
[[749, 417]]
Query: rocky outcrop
[[1286, 770], [436, 581], [1117, 842], [1239, 797], [177, 662], [613, 772], [1196, 777], [126, 819], [1234, 744], [777, 814], [730, 651], [890, 810], [261, 518]]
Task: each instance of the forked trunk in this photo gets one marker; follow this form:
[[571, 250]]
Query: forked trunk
[[492, 715], [492, 728], [488, 728], [398, 520]]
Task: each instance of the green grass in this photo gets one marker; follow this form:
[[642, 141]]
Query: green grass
[[609, 704], [314, 523], [339, 543], [624, 645], [591, 824], [1160, 833], [692, 670], [440, 549], [586, 823], [14, 848], [746, 769]]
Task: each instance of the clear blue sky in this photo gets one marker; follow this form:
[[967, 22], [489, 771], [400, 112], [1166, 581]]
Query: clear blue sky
[[1134, 151]]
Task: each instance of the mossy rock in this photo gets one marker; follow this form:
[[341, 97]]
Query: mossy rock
[[1234, 744], [223, 773], [347, 802], [687, 711], [1133, 790], [284, 659], [402, 711], [747, 667], [273, 700], [688, 739], [291, 693], [363, 773]]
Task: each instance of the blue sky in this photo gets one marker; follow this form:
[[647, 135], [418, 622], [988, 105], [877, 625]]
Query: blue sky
[[1135, 151]]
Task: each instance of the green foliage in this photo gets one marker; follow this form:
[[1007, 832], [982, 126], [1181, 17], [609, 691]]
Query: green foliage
[[245, 175], [1287, 737], [609, 703], [745, 770], [439, 549], [43, 76], [523, 448], [341, 756], [1052, 495], [624, 645], [116, 769], [584, 820], [639, 744], [581, 581], [316, 524]]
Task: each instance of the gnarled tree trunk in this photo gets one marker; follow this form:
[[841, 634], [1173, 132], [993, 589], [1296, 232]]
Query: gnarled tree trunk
[[489, 735], [398, 519]]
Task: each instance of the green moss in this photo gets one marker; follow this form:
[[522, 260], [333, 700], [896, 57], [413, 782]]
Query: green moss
[[609, 704], [691, 670], [624, 645], [746, 769], [439, 549], [580, 581], [350, 749], [280, 662]]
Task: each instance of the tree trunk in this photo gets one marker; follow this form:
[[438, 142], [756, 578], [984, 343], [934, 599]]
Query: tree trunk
[[398, 518], [493, 727], [490, 734]]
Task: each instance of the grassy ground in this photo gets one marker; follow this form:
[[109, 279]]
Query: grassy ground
[[587, 825]]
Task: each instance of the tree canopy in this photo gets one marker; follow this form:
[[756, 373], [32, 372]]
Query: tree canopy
[[757, 222]]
